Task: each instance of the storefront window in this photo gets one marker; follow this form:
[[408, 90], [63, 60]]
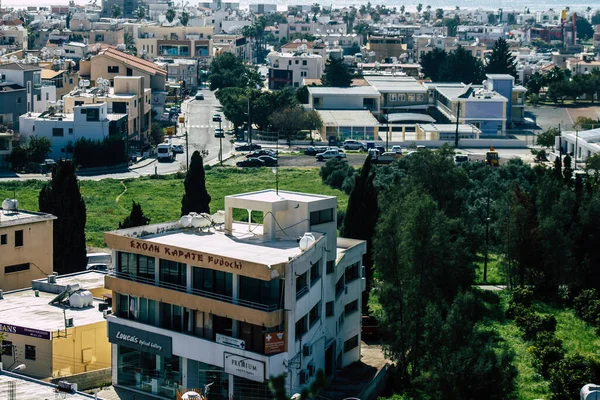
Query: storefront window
[[148, 372], [200, 374]]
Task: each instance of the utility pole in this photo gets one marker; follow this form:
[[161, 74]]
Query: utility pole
[[277, 167], [487, 234], [221, 133], [387, 130], [249, 125], [457, 118], [187, 152]]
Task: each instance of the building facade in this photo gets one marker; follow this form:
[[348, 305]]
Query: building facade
[[26, 247], [232, 304], [290, 70], [20, 86]]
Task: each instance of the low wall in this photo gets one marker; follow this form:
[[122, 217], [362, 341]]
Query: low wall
[[87, 380]]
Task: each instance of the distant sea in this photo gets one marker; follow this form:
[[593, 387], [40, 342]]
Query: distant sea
[[517, 5]]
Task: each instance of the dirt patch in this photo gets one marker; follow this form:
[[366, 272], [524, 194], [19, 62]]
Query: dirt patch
[[587, 112]]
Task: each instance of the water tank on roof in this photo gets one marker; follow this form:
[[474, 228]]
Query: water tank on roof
[[10, 205], [306, 241], [81, 299]]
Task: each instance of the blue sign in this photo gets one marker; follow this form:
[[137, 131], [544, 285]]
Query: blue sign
[[138, 339]]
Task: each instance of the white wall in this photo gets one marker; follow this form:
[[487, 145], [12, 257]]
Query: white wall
[[47, 96]]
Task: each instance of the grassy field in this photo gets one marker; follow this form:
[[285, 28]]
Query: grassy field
[[577, 337], [109, 201]]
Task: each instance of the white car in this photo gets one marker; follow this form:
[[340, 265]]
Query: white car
[[460, 159], [331, 153], [396, 149], [354, 145]]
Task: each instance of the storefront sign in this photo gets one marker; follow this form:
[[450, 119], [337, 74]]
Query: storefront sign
[[19, 330], [182, 255], [274, 342], [244, 367], [229, 341], [138, 339]]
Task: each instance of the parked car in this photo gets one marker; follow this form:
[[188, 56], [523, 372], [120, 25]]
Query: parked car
[[250, 162], [396, 149], [177, 149], [268, 161], [217, 118], [219, 133], [263, 152], [331, 153], [248, 147], [199, 96], [460, 159], [314, 150], [354, 145]]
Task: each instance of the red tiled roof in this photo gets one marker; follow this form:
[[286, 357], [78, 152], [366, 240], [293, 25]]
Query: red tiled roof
[[133, 61]]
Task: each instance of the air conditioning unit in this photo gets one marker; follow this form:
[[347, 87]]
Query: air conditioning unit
[[102, 306], [51, 278], [106, 313], [303, 377], [69, 323], [306, 350]]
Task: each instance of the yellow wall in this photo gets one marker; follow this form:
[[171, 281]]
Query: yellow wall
[[36, 250], [85, 348]]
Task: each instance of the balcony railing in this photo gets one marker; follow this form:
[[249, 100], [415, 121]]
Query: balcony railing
[[197, 292]]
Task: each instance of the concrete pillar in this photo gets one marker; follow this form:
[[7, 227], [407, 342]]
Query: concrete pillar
[[184, 372], [188, 278], [403, 133]]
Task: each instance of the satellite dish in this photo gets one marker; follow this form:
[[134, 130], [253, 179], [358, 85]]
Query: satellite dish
[[99, 80], [106, 82], [13, 59]]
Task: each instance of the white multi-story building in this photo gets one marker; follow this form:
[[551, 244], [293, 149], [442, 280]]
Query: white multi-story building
[[290, 70], [183, 70], [91, 121], [261, 8], [209, 300]]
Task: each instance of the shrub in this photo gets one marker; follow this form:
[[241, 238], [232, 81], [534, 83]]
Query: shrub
[[33, 150], [522, 296], [570, 374], [587, 306], [532, 324], [89, 153], [546, 351], [335, 172]]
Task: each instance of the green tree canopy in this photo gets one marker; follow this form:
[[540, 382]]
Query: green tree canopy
[[457, 66], [184, 18], [501, 61], [115, 11], [336, 74], [431, 63], [547, 138], [61, 198], [135, 218], [585, 30], [196, 198], [227, 70], [170, 15]]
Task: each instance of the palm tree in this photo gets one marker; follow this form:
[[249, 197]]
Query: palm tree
[[402, 9], [419, 7]]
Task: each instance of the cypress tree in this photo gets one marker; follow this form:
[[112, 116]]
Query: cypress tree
[[196, 198], [61, 197], [135, 218], [501, 60], [361, 217]]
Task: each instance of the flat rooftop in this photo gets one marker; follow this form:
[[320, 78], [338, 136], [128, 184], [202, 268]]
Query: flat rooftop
[[358, 118], [449, 128], [23, 308], [19, 217], [367, 91], [270, 196], [29, 388], [394, 84], [242, 244], [86, 279]]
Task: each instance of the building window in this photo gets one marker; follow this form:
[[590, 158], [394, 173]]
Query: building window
[[297, 62], [321, 216], [19, 238], [29, 352], [70, 131], [393, 97], [92, 114], [301, 285], [221, 283], [16, 268], [7, 348], [83, 111], [350, 344], [58, 132], [315, 272], [129, 72], [113, 69], [3, 239], [329, 309], [172, 272], [304, 62], [18, 100], [351, 307], [136, 265], [352, 272], [301, 327], [314, 315], [339, 286], [330, 267]]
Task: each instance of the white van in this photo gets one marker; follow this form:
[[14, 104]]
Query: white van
[[164, 152], [98, 262]]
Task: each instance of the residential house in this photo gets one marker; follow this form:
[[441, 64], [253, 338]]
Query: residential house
[[262, 9], [351, 98], [127, 96], [585, 63], [13, 37], [91, 121], [580, 145], [399, 93], [387, 46], [289, 70], [174, 41], [20, 86]]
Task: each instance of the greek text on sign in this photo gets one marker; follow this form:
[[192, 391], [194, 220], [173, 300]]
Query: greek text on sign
[[274, 342], [244, 367], [184, 256]]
